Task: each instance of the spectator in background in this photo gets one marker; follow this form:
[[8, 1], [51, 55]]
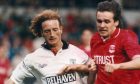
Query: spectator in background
[[85, 41], [5, 66]]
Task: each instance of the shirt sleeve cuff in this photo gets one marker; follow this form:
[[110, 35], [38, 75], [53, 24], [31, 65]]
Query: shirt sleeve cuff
[[13, 79]]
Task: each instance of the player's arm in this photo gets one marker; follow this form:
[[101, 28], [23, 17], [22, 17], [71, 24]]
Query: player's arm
[[92, 71], [133, 64], [20, 73], [89, 66], [91, 77], [131, 47]]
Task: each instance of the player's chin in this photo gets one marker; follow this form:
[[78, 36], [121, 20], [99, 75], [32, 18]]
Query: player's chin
[[52, 42], [103, 34]]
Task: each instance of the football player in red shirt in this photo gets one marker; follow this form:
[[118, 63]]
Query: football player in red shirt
[[114, 50]]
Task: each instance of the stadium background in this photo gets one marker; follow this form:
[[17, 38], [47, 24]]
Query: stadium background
[[77, 15]]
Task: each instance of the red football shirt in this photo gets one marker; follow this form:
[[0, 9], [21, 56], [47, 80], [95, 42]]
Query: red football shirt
[[121, 47]]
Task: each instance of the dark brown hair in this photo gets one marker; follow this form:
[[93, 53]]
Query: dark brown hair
[[111, 6]]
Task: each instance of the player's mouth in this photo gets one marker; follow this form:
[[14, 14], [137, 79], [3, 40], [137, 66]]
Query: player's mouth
[[51, 39], [102, 30]]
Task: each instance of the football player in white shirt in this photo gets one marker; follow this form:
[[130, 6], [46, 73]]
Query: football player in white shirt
[[56, 62]]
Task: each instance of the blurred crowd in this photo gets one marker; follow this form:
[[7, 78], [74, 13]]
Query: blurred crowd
[[16, 40], [132, 4]]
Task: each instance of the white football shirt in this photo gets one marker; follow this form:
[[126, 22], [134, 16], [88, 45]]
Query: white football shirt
[[45, 66]]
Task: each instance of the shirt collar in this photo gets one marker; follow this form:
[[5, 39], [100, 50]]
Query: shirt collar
[[115, 33], [65, 45]]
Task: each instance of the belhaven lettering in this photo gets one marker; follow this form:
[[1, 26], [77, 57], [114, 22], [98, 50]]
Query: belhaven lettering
[[60, 79]]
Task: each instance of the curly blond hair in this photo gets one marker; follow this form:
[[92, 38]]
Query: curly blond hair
[[36, 23]]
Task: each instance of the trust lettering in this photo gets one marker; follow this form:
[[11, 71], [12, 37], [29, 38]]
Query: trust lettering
[[104, 59]]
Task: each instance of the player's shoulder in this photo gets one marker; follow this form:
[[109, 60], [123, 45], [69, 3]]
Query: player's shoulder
[[128, 36], [95, 36], [35, 53], [77, 52], [74, 48], [127, 33]]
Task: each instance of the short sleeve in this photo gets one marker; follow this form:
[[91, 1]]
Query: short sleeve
[[20, 73], [83, 56], [131, 44]]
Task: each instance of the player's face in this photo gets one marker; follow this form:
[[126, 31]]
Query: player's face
[[52, 31], [105, 23]]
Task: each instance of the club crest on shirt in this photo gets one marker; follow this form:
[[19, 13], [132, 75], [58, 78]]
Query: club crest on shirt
[[111, 48], [72, 61]]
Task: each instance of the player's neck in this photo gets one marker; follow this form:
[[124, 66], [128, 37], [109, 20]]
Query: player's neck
[[57, 47], [105, 38]]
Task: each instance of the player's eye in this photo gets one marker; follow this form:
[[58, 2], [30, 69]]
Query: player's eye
[[46, 31], [107, 21], [55, 29], [99, 21]]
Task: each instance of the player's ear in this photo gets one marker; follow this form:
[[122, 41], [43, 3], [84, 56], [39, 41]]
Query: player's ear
[[61, 29], [116, 23]]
